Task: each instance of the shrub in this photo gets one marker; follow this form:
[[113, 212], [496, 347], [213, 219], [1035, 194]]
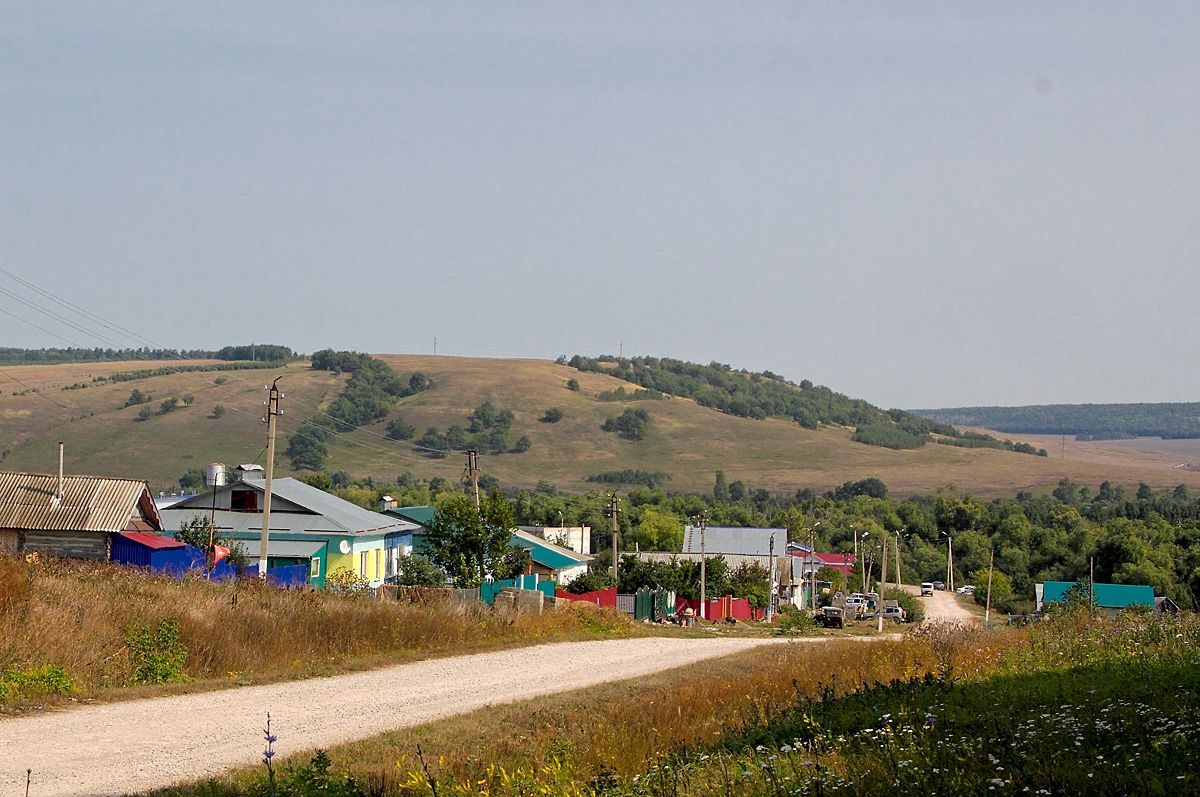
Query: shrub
[[573, 384], [793, 621], [914, 611], [552, 415], [45, 680], [156, 654]]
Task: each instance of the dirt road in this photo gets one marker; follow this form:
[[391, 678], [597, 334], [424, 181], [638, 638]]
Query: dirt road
[[943, 606], [126, 747]]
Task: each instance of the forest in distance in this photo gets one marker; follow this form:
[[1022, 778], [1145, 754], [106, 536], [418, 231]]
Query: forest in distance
[[1179, 420]]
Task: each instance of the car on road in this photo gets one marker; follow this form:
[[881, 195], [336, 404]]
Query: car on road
[[939, 585], [926, 589], [969, 589], [892, 614]]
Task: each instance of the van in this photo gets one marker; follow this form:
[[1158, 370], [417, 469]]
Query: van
[[926, 589]]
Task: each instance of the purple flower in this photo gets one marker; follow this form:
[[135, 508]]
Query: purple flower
[[270, 739], [268, 753]]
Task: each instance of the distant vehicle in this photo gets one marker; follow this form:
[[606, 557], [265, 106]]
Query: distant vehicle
[[832, 617], [891, 613], [939, 585], [967, 590], [926, 588]]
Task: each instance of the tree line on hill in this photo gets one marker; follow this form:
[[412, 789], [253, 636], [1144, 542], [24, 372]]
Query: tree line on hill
[[1082, 421], [767, 395], [51, 356], [372, 391], [488, 429]]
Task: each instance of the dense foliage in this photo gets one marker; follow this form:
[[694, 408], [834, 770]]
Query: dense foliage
[[372, 391], [765, 395], [488, 429], [260, 352], [645, 478], [1084, 421]]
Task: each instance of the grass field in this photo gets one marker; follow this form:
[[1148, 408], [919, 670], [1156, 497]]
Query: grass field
[[688, 441], [1076, 705]]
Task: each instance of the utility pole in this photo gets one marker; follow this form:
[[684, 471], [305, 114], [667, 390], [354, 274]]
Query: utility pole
[[771, 579], [612, 509], [882, 584], [899, 581], [272, 414], [703, 573], [987, 611], [950, 562], [812, 562], [1091, 583], [473, 469]]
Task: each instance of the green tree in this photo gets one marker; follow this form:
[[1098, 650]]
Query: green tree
[[218, 412], [195, 532], [1001, 587], [417, 571], [553, 415], [573, 384], [400, 429], [306, 450], [145, 414], [137, 397], [168, 405], [659, 531], [470, 545], [632, 424], [720, 487], [523, 444]]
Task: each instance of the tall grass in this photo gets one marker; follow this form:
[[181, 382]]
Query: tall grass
[[80, 616]]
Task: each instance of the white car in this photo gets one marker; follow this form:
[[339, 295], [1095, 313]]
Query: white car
[[926, 589], [967, 590]]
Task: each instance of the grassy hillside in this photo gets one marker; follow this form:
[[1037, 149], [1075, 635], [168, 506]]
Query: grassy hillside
[[686, 440]]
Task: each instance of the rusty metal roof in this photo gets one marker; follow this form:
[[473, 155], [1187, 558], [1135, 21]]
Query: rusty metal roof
[[88, 503]]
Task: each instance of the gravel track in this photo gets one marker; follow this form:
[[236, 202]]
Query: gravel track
[[134, 746]]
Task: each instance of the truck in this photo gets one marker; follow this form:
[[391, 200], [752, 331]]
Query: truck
[[926, 589]]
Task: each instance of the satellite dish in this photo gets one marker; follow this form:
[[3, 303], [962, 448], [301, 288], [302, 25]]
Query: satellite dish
[[344, 546]]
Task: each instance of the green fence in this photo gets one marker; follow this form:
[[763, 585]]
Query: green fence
[[654, 605], [488, 590]]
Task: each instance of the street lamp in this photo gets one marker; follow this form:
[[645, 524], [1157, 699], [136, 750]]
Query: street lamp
[[864, 564], [812, 574]]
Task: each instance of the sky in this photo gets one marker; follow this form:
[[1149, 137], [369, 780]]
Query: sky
[[919, 204]]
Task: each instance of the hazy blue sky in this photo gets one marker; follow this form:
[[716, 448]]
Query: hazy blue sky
[[920, 204]]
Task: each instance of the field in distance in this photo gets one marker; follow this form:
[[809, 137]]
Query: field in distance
[[685, 440]]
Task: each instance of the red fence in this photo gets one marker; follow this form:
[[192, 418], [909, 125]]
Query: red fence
[[604, 597], [737, 608]]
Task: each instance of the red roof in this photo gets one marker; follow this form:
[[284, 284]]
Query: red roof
[[150, 540], [836, 558]]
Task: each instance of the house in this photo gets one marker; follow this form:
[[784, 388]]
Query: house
[[560, 565], [1110, 598], [420, 516], [308, 526], [74, 517], [577, 538]]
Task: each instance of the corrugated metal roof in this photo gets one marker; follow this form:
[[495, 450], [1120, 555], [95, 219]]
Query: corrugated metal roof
[[88, 503], [152, 540], [735, 540], [423, 515], [290, 549], [325, 513], [546, 553]]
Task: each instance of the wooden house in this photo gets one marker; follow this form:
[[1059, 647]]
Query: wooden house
[[74, 517]]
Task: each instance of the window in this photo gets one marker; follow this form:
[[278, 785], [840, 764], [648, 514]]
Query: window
[[243, 500], [315, 567], [362, 564], [378, 553]]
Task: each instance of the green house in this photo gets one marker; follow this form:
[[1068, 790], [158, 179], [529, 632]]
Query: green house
[[1109, 597]]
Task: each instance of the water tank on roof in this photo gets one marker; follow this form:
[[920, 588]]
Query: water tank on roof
[[216, 475]]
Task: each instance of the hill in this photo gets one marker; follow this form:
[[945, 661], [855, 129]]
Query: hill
[[684, 440], [1170, 421]]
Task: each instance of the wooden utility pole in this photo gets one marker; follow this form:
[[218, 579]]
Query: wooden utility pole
[[473, 469], [771, 579], [882, 584], [272, 414], [987, 610], [899, 581], [612, 510], [703, 573]]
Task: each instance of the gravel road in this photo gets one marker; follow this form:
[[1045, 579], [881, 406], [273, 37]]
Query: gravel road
[[120, 748], [943, 606]]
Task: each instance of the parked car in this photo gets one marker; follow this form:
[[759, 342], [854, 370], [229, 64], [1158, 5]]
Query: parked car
[[969, 589], [926, 588], [939, 585], [892, 614]]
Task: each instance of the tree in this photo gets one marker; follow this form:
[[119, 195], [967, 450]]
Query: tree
[[188, 399], [553, 415], [1001, 586], [523, 445], [659, 531], [218, 412], [145, 414], [1145, 492], [573, 384], [631, 424], [192, 481], [322, 481], [470, 545], [195, 532], [721, 488], [1182, 493], [306, 450], [737, 491], [168, 405], [400, 429], [137, 397], [417, 571]]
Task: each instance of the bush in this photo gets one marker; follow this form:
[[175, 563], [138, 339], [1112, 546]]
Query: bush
[[553, 415], [155, 654], [793, 621], [45, 680], [914, 611]]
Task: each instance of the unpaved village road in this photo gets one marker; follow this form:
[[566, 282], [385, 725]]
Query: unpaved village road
[[944, 606], [128, 747]]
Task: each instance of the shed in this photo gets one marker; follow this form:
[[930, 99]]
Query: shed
[[1109, 597], [143, 549]]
